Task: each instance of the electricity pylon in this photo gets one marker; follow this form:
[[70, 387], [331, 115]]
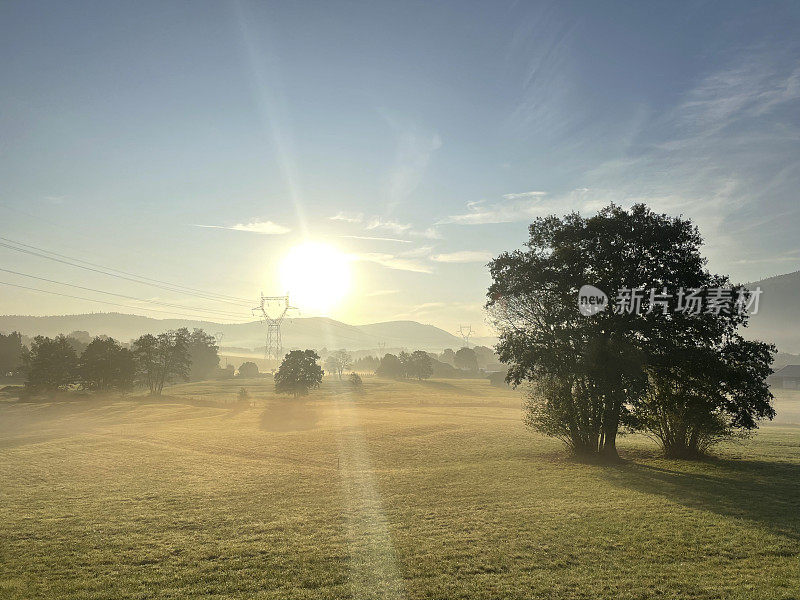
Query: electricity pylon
[[381, 348], [273, 309], [465, 331]]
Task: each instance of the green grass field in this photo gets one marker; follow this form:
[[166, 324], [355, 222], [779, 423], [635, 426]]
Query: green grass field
[[413, 489]]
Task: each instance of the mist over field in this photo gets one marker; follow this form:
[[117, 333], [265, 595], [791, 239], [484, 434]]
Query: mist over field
[[399, 300]]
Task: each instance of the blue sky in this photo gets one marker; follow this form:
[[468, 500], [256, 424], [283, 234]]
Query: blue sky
[[442, 127]]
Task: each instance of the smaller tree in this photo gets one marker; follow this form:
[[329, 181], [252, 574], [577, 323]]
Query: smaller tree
[[248, 369], [338, 361], [298, 373], [699, 396], [420, 365], [466, 359], [390, 366], [204, 355], [448, 356], [51, 364], [355, 382]]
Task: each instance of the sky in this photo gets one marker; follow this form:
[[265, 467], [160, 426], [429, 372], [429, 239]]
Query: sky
[[199, 143]]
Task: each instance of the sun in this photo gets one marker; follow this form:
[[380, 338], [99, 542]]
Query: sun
[[316, 275]]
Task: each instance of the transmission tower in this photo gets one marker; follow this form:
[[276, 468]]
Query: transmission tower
[[381, 348], [273, 309], [218, 336], [465, 331]]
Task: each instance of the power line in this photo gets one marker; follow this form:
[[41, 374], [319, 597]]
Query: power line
[[96, 268], [158, 302], [25, 287]]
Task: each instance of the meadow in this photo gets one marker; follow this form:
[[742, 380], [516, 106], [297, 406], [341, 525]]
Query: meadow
[[431, 489]]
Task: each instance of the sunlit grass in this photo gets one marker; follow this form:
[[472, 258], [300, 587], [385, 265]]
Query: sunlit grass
[[424, 489]]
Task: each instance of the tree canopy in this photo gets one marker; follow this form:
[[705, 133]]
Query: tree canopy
[[105, 365], [162, 359], [592, 374], [50, 364], [298, 373]]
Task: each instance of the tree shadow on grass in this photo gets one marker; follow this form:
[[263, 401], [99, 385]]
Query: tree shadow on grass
[[760, 491], [289, 416]]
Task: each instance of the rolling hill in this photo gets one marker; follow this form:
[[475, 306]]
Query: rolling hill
[[310, 332], [778, 318]]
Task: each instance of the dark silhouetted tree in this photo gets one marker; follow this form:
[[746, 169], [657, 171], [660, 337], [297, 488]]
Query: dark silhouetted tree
[[10, 353], [588, 371], [390, 367], [420, 365], [162, 359], [466, 359], [51, 364], [248, 369], [298, 373], [105, 365]]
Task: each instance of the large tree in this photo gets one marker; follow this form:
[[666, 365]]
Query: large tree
[[588, 371], [298, 373], [105, 365], [162, 359], [50, 364]]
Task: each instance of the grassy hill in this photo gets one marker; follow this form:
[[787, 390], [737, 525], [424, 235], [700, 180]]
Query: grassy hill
[[414, 489]]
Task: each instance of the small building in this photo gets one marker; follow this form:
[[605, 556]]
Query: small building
[[787, 378]]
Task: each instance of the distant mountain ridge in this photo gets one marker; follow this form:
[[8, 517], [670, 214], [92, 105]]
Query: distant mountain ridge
[[778, 318], [307, 332]]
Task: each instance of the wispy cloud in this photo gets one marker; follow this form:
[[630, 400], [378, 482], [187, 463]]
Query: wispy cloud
[[393, 261], [375, 238], [393, 226], [348, 218], [516, 196], [463, 256], [261, 227], [381, 293], [513, 207]]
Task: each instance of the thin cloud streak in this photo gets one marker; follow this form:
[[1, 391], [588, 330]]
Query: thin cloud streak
[[260, 227], [376, 239], [463, 256]]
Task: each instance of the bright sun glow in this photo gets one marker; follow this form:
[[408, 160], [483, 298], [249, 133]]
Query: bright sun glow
[[316, 275]]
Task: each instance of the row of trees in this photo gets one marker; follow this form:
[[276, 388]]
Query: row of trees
[[465, 359], [417, 365], [152, 361], [689, 380]]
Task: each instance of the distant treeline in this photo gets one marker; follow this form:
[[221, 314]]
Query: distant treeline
[[473, 363], [104, 364]]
